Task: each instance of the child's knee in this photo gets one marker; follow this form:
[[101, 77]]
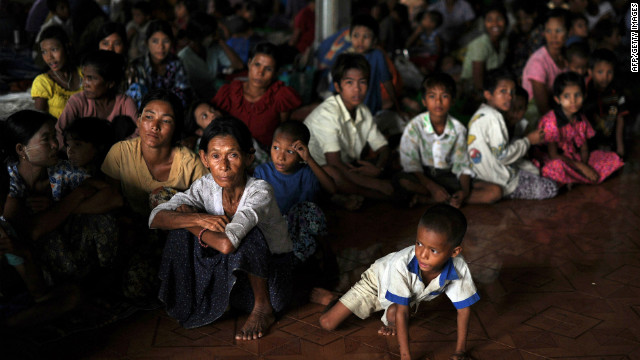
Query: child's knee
[[391, 313], [495, 193], [326, 322]]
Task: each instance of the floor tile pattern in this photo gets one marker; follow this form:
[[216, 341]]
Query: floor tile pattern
[[559, 279]]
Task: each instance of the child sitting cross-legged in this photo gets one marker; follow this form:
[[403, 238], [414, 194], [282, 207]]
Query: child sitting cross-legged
[[341, 129], [566, 132], [433, 152], [403, 279], [493, 157], [296, 185]]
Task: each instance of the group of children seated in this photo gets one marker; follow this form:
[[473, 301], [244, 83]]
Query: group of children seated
[[345, 146]]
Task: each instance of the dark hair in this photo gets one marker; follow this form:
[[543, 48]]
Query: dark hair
[[190, 123], [191, 5], [176, 104], [447, 220], [109, 65], [496, 6], [367, 21], [143, 6], [493, 77], [528, 6], [563, 14], [200, 26], [266, 48], [93, 130], [52, 5], [565, 79], [296, 129], [604, 28], [436, 17], [574, 17], [578, 49], [521, 92], [440, 79], [602, 55], [56, 32], [109, 28], [348, 61], [159, 26], [403, 12], [19, 128], [228, 125]]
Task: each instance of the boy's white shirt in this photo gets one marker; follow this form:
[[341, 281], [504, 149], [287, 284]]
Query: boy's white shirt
[[400, 281], [493, 158], [332, 129]]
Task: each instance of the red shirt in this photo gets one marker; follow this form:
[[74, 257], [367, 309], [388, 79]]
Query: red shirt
[[263, 116]]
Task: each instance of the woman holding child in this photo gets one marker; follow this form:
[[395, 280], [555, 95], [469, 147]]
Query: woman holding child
[[262, 102], [232, 248]]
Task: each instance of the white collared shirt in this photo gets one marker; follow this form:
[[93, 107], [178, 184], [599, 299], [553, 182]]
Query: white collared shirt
[[332, 129]]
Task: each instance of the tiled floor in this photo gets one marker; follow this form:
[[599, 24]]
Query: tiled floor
[[558, 279]]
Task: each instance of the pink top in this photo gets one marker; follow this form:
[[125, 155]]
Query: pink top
[[80, 106], [263, 116], [540, 67], [570, 137]]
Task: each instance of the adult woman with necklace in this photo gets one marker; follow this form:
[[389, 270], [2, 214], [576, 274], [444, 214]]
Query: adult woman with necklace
[[103, 73], [52, 90], [546, 63]]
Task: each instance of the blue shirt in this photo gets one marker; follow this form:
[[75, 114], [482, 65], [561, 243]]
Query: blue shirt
[[303, 185]]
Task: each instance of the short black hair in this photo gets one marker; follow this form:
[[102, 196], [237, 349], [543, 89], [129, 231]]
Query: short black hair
[[96, 131], [52, 5], [493, 78], [159, 26], [602, 55], [560, 13], [367, 21], [266, 48], [109, 28], [348, 61], [176, 105], [109, 65], [228, 126], [190, 123], [143, 6], [521, 92], [578, 49], [435, 15], [440, 79], [574, 17], [296, 129], [447, 220], [604, 28], [565, 79], [200, 26], [496, 6]]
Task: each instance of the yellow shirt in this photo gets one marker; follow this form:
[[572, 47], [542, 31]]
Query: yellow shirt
[[124, 162], [45, 87]]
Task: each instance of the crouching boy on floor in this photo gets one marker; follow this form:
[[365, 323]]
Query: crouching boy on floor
[[421, 272]]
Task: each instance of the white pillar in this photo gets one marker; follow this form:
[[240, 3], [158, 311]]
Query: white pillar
[[331, 15]]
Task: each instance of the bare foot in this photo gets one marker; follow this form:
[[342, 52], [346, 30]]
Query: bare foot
[[322, 296], [256, 326], [388, 330], [348, 202]]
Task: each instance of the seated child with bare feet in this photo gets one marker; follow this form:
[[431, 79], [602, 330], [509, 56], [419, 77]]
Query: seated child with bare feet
[[405, 278], [433, 153], [342, 127], [296, 180]]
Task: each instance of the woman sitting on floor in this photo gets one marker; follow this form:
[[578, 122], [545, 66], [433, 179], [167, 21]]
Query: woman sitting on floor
[[233, 249]]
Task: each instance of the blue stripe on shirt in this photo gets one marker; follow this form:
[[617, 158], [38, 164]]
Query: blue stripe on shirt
[[396, 299], [467, 302]]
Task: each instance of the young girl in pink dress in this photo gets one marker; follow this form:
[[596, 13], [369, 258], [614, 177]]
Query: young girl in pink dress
[[566, 131]]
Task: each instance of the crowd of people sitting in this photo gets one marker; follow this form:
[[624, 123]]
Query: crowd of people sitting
[[171, 157]]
